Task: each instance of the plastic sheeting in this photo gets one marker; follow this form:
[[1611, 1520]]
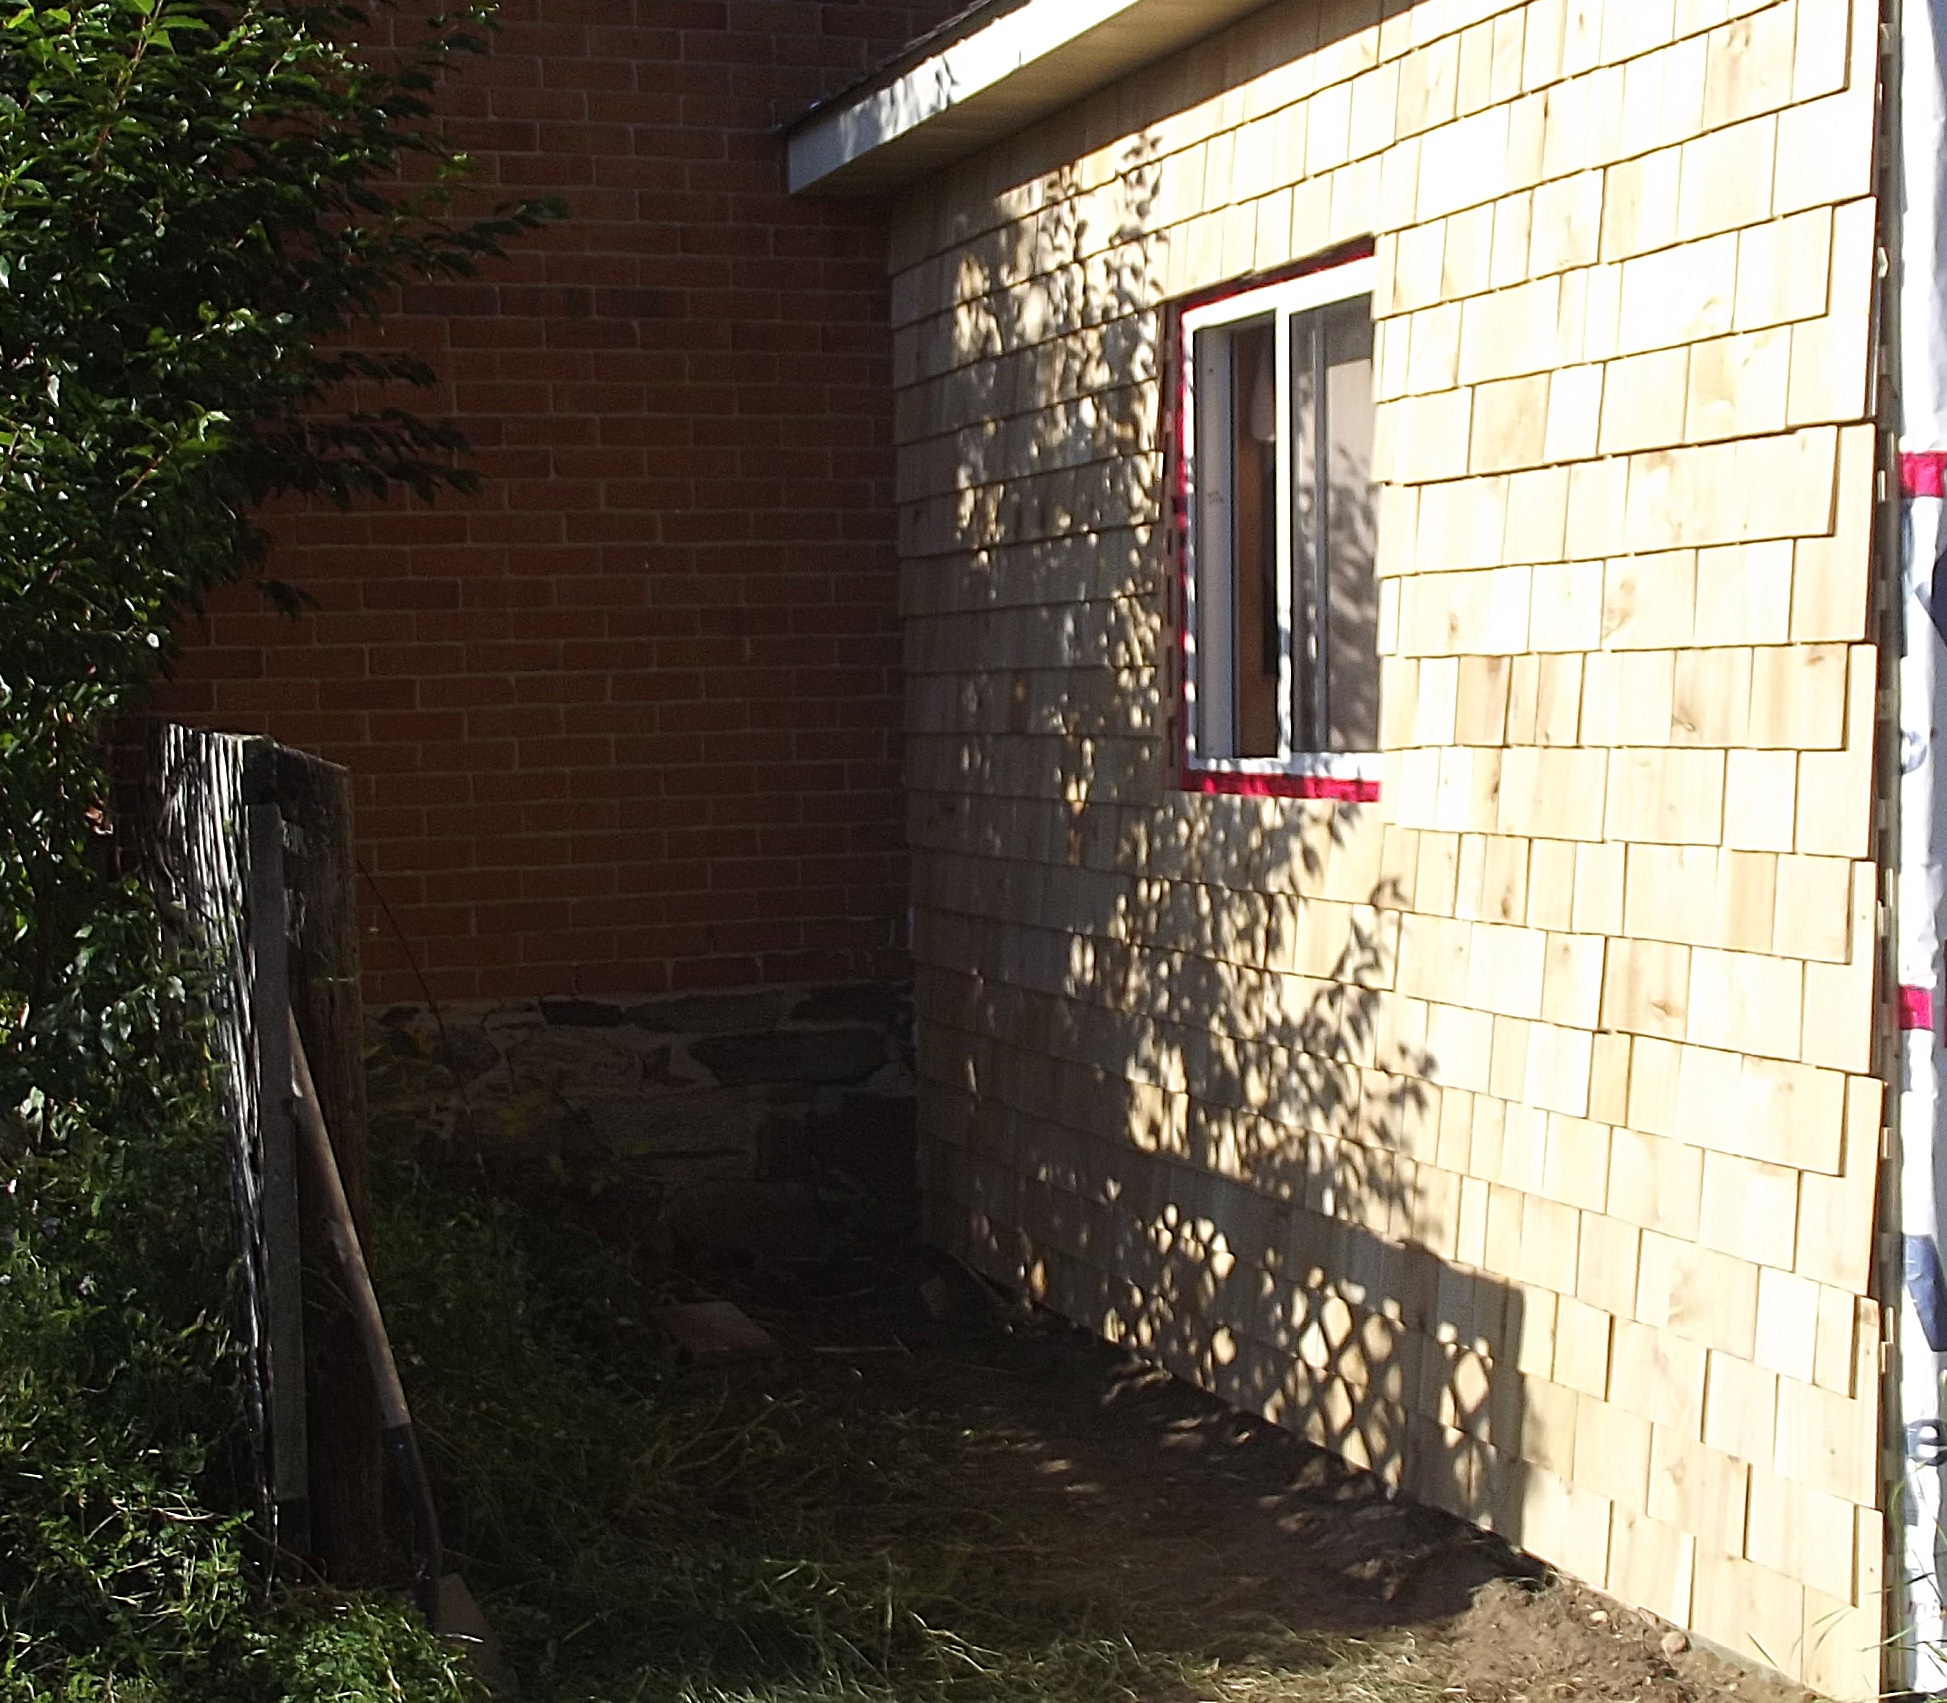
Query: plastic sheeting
[[1915, 1509], [1915, 1506]]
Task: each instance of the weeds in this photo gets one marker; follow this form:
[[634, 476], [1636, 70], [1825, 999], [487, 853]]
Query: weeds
[[121, 1576], [636, 1534]]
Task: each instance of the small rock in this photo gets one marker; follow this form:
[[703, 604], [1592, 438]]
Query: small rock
[[714, 1333], [1599, 1617], [1674, 1643]]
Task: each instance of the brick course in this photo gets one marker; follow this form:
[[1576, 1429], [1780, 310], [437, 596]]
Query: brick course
[[625, 721]]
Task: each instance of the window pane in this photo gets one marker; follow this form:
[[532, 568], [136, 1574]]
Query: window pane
[[1308, 719], [1211, 533], [1254, 552], [1236, 540], [1352, 621]]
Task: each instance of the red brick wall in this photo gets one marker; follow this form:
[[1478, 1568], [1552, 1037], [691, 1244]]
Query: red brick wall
[[628, 720]]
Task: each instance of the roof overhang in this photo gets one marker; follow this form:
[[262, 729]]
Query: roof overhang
[[988, 74]]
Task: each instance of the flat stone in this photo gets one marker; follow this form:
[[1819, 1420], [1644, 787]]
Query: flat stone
[[506, 1018], [792, 1055], [533, 1124], [781, 1149], [715, 1333], [581, 1064], [466, 1052], [692, 1124], [706, 1013], [581, 1013], [403, 1031], [850, 1002]]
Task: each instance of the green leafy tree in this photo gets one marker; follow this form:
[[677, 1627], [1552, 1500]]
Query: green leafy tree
[[199, 202]]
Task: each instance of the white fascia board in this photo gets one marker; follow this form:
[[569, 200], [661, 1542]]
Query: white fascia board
[[987, 84]]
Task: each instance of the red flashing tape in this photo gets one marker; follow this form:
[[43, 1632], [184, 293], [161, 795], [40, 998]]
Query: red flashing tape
[[1281, 786], [1924, 474], [1916, 1008]]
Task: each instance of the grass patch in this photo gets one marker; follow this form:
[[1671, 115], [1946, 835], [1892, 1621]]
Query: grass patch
[[638, 1534]]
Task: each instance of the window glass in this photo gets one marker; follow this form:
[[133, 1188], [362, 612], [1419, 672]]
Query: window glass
[[1351, 667], [1311, 558], [1253, 576], [1285, 628]]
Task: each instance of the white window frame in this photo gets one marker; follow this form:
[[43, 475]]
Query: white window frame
[[1207, 725]]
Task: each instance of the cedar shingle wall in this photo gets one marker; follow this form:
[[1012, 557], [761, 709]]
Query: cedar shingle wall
[[1517, 1134], [628, 721]]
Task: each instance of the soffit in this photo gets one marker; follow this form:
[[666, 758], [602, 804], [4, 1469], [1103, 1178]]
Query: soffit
[[993, 70]]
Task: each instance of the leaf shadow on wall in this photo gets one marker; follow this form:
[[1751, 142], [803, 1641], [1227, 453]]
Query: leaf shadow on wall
[[1169, 1085]]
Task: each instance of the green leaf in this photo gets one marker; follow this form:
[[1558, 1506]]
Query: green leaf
[[196, 208]]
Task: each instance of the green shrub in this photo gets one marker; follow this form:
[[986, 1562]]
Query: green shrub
[[197, 204]]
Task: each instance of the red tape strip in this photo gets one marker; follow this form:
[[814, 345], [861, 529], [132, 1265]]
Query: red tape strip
[[1916, 1008], [1280, 786], [1924, 474]]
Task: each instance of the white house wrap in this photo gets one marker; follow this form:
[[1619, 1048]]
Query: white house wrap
[[1922, 891]]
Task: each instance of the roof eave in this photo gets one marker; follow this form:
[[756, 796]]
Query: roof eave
[[987, 83]]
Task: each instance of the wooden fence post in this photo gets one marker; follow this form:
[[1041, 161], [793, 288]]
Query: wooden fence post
[[266, 909], [347, 1468]]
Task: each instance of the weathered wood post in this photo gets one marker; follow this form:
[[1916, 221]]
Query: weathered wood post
[[321, 871]]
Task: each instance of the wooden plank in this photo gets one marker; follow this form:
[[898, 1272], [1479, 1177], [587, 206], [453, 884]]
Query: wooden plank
[[284, 1293], [347, 1464]]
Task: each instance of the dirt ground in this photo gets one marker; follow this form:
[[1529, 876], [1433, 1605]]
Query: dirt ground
[[1142, 1492]]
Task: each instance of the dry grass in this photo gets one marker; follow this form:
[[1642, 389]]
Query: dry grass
[[635, 1534]]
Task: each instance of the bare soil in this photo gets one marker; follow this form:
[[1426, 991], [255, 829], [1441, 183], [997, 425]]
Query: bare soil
[[1144, 1494]]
